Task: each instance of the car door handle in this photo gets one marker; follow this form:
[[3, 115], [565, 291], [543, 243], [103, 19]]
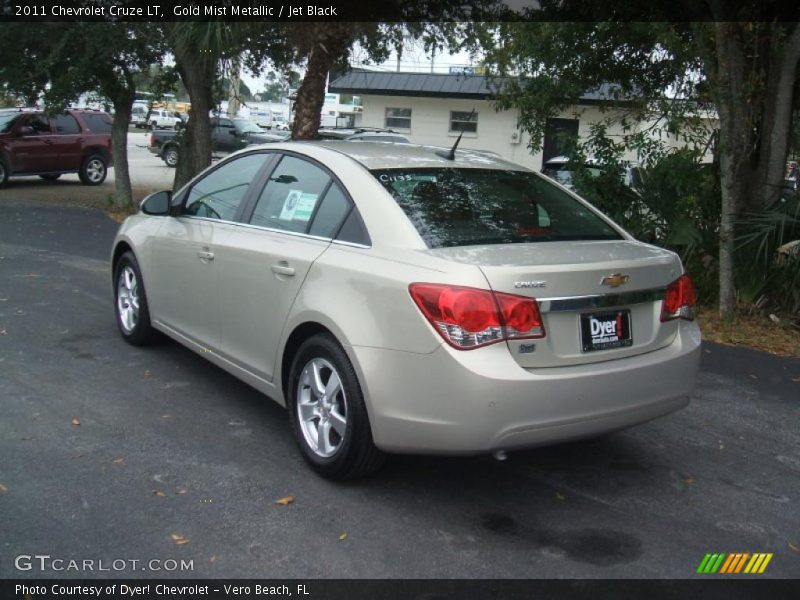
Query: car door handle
[[205, 255], [283, 268]]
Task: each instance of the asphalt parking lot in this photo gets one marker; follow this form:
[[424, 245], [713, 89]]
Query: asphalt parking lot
[[113, 452]]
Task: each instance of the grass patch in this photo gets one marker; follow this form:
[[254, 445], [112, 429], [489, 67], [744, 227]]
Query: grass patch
[[754, 331]]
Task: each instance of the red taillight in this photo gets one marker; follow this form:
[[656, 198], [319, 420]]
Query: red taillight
[[468, 317], [680, 300]]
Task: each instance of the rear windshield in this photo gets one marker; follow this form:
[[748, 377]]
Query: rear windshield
[[463, 207]]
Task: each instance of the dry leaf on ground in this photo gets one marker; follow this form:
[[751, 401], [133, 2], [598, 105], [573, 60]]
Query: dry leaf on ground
[[76, 422], [286, 500], [118, 461], [179, 539], [343, 537]]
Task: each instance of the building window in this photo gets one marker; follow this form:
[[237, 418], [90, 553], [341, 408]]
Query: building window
[[399, 118], [460, 121]]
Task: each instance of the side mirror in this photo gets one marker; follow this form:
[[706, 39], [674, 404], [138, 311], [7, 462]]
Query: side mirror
[[25, 130], [233, 132], [157, 204]]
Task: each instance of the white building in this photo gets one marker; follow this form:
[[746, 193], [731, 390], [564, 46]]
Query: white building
[[432, 109]]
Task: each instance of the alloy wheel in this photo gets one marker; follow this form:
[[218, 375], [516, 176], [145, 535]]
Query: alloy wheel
[[128, 299], [321, 407]]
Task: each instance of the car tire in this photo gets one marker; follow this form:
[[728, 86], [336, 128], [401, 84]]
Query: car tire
[[130, 302], [334, 408], [94, 169], [171, 156], [49, 177], [3, 173]]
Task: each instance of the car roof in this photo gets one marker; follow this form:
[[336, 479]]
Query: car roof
[[383, 155]]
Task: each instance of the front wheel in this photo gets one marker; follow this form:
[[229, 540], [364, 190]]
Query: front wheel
[[130, 302], [327, 412], [93, 170]]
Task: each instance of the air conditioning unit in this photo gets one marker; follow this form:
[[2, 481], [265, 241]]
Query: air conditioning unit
[[516, 137]]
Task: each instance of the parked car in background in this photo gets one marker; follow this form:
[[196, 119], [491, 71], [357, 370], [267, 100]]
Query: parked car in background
[[404, 299], [139, 116], [379, 136], [227, 135], [75, 141], [560, 169], [163, 119]]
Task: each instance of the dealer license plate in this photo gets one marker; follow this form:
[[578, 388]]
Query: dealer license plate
[[603, 331]]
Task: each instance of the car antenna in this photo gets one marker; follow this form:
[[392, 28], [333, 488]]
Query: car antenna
[[451, 154]]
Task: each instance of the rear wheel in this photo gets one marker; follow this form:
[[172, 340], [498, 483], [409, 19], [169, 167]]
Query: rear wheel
[[171, 156], [93, 170], [133, 314], [327, 411]]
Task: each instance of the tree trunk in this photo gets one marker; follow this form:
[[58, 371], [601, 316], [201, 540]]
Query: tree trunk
[[775, 119], [330, 42], [197, 73], [734, 139], [123, 196], [754, 96]]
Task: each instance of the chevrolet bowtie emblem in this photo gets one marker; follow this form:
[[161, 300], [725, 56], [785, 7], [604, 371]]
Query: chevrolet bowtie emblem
[[615, 280]]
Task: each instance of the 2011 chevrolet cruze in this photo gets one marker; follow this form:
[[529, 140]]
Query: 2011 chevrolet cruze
[[396, 298]]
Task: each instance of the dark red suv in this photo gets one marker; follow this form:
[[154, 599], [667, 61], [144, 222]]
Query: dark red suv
[[76, 141]]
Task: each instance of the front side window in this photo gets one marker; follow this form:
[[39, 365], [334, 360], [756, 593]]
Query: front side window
[[291, 195], [462, 121], [39, 124], [464, 207], [398, 118], [219, 194]]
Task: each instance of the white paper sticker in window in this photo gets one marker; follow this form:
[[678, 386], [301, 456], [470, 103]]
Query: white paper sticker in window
[[298, 206]]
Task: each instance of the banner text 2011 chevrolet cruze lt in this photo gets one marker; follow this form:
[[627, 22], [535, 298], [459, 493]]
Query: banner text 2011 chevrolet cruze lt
[[398, 298]]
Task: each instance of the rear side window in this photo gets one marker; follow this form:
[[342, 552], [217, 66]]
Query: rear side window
[[98, 122], [291, 195], [331, 213], [463, 207], [66, 124], [220, 193]]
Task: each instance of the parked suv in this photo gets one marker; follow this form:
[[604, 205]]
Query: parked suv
[[75, 141], [164, 119]]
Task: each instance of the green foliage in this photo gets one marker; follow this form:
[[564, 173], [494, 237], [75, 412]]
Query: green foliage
[[766, 278], [669, 199]]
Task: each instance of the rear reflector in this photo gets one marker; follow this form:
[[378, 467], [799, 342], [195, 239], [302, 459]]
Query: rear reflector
[[680, 300], [468, 318]]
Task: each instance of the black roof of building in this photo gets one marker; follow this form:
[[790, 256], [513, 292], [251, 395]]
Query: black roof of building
[[433, 85]]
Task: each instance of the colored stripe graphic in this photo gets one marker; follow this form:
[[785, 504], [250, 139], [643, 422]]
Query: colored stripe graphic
[[734, 563], [711, 563], [730, 561]]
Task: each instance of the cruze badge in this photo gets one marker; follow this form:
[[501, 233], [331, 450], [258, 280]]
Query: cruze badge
[[530, 284], [615, 280]]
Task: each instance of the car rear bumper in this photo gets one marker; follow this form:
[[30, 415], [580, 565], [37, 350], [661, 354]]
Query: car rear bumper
[[456, 402]]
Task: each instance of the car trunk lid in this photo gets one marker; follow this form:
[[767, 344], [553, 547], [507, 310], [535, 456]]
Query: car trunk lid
[[593, 295]]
